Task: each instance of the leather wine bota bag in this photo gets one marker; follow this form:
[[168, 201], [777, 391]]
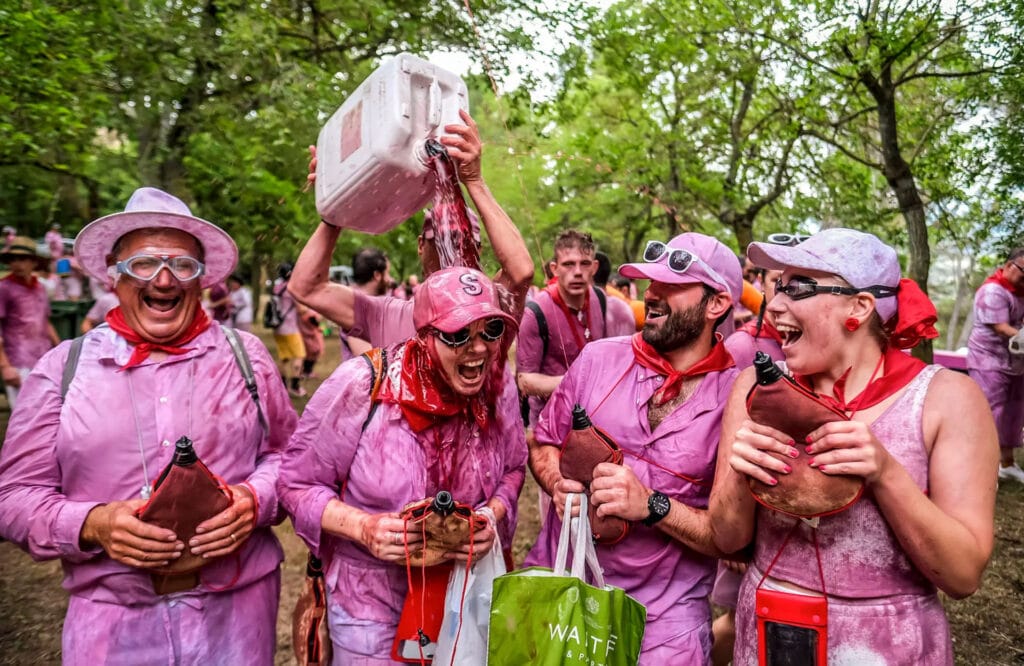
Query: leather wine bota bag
[[445, 523], [311, 639], [584, 448], [776, 400], [185, 495]]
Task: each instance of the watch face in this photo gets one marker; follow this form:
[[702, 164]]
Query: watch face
[[659, 504]]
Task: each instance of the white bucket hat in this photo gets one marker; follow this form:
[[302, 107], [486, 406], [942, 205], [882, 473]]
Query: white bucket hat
[[150, 208]]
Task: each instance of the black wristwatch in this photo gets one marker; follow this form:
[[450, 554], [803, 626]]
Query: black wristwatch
[[659, 505]]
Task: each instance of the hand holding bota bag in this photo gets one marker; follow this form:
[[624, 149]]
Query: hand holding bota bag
[[776, 400], [584, 448], [185, 495], [444, 524], [546, 617]]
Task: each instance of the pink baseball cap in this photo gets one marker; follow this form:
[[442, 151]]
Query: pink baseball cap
[[428, 225], [859, 258], [712, 264], [453, 298], [149, 208]]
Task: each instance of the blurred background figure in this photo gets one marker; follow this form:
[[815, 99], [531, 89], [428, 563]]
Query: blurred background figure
[[25, 325], [218, 303], [54, 242], [313, 341], [241, 303], [290, 350]]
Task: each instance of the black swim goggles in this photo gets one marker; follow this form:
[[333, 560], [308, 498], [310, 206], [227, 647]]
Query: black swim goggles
[[799, 288]]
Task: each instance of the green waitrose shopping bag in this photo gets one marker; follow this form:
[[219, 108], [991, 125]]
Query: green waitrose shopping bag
[[547, 617]]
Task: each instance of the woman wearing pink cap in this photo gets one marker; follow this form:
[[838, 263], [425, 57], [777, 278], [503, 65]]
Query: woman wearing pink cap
[[925, 520], [445, 416]]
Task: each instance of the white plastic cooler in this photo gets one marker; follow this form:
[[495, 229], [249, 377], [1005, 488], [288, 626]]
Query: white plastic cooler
[[371, 172]]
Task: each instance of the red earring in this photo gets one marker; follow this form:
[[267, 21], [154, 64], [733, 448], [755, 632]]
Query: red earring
[[852, 324]]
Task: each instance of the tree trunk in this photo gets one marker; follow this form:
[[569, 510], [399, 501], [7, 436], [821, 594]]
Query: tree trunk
[[901, 179]]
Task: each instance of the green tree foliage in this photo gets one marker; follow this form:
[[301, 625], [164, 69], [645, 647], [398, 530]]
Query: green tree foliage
[[674, 121], [213, 100]]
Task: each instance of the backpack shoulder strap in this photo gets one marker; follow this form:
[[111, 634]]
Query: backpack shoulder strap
[[377, 359], [602, 300], [71, 363], [245, 367], [542, 325]]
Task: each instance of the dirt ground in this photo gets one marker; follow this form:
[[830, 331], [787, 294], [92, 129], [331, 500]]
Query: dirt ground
[[988, 628]]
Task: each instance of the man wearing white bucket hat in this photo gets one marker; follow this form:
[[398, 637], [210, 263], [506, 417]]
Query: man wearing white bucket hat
[[91, 434]]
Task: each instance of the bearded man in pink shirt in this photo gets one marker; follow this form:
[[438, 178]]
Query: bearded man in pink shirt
[[659, 394], [90, 436]]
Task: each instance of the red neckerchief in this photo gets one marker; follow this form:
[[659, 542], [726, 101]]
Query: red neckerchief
[[766, 330], [898, 369], [574, 321], [425, 397], [29, 283], [999, 278], [143, 348], [718, 359]]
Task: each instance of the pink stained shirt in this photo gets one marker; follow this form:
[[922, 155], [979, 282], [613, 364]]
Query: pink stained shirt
[[562, 348], [743, 347], [382, 469], [104, 304], [60, 460], [24, 319], [986, 349], [620, 318], [382, 320], [671, 580]]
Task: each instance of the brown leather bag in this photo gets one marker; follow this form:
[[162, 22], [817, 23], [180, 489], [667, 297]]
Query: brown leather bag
[[185, 494], [445, 524], [584, 448], [311, 638], [776, 400]]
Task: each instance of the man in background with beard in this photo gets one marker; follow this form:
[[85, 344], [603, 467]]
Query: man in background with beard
[[659, 394]]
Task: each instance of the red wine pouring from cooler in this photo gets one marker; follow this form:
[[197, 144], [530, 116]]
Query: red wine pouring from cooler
[[453, 234]]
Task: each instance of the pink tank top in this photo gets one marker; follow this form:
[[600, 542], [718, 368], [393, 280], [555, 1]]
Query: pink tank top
[[860, 556]]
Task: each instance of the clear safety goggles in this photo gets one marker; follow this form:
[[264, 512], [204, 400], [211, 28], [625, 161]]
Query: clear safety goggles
[[145, 267]]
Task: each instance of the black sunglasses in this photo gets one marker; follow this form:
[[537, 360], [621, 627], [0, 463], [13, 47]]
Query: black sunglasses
[[492, 331], [800, 288]]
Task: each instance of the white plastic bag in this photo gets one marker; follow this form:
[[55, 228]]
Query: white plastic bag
[[1016, 344], [463, 637]]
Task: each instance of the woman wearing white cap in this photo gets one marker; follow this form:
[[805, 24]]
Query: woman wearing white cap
[[444, 416], [920, 437]]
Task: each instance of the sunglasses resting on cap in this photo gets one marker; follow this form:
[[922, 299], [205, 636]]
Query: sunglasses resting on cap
[[787, 239], [678, 260]]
